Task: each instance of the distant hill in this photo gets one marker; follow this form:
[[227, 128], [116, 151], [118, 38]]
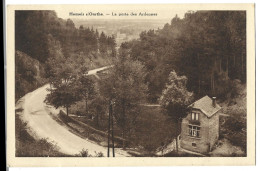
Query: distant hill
[[123, 30]]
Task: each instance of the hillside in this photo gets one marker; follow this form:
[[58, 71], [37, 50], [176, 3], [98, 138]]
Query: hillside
[[28, 74], [234, 127], [38, 31], [123, 30], [43, 41], [208, 47]]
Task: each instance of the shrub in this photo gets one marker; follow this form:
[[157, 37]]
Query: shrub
[[27, 146], [234, 129], [84, 153], [99, 154]]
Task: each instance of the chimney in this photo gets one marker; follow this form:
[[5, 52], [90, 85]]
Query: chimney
[[214, 101]]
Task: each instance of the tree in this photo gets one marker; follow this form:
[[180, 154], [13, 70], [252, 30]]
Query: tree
[[176, 98], [99, 107], [112, 45], [63, 80], [202, 46], [124, 86], [103, 43], [85, 85], [62, 96]]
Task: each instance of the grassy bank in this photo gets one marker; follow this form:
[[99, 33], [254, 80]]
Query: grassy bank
[[152, 128], [27, 146]]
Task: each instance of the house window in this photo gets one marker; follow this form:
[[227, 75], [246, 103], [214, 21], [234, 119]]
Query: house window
[[194, 144], [194, 131], [194, 116], [197, 116]]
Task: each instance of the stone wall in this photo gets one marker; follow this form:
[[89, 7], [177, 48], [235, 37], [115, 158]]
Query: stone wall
[[208, 133], [214, 130]]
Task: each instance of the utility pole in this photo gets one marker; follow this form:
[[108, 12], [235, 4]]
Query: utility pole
[[110, 130], [112, 126], [108, 138]]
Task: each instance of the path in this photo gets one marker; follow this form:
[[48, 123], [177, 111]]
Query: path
[[43, 126]]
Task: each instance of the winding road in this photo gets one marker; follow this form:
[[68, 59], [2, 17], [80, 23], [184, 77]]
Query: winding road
[[42, 125]]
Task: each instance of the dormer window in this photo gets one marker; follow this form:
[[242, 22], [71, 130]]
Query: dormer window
[[194, 116]]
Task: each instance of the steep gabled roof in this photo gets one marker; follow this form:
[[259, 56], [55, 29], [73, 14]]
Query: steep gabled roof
[[205, 105]]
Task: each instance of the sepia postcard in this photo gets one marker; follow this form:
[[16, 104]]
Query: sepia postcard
[[130, 85]]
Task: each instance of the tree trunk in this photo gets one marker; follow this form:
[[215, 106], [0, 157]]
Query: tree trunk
[[242, 67], [212, 84], [97, 119], [123, 135], [178, 132], [220, 67], [227, 67], [199, 73], [234, 61], [67, 109], [199, 85], [51, 87], [213, 81], [86, 102], [211, 78], [123, 116], [177, 141]]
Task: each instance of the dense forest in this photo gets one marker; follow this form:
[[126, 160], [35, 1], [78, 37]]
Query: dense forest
[[203, 53], [42, 37], [208, 47]]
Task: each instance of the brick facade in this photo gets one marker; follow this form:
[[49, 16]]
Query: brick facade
[[208, 132]]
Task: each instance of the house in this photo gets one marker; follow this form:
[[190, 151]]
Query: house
[[200, 129]]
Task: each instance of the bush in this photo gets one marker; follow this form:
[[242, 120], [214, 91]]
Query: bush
[[79, 108], [153, 127], [84, 153], [99, 154], [27, 146], [234, 129], [29, 74]]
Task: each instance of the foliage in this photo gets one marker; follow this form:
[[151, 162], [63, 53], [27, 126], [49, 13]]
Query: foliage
[[84, 153], [85, 85], [66, 53], [33, 29], [28, 74], [99, 108], [175, 97], [205, 46], [62, 96], [124, 86], [63, 82], [107, 44], [153, 127], [234, 129], [27, 146]]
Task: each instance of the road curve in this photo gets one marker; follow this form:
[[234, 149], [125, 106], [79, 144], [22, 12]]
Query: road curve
[[42, 125]]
